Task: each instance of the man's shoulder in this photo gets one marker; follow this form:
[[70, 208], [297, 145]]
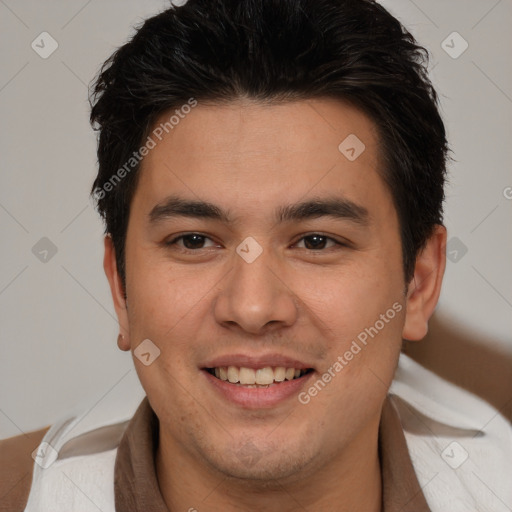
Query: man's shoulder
[[444, 401], [460, 446], [16, 469]]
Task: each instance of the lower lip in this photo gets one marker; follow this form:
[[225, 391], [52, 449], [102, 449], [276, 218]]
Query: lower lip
[[258, 398]]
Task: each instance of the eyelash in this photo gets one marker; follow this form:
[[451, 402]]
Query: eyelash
[[327, 238]]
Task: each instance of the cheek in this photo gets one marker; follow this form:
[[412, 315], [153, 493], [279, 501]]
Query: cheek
[[161, 297], [349, 300], [362, 318], [361, 314]]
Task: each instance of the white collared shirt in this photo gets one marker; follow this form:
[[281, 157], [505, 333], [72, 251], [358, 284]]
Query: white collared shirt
[[460, 446]]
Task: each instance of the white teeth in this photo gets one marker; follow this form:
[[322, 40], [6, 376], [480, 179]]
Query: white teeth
[[262, 377], [233, 374], [280, 374], [247, 376]]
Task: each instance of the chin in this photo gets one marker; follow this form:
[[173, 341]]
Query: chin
[[262, 463]]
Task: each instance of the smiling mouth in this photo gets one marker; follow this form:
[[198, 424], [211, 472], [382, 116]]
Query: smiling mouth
[[257, 378]]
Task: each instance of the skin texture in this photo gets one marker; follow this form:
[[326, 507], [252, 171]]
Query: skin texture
[[310, 304]]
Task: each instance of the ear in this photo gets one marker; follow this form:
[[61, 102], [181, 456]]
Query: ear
[[117, 291], [425, 286]]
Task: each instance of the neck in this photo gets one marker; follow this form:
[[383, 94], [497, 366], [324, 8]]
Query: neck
[[351, 480]]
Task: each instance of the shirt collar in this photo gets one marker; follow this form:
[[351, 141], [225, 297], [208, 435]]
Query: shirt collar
[[136, 486]]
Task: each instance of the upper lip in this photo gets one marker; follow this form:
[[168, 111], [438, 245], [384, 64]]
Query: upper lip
[[259, 361]]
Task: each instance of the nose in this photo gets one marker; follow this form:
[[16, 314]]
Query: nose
[[255, 297]]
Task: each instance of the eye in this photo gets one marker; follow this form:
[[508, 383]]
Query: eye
[[191, 241], [318, 241]]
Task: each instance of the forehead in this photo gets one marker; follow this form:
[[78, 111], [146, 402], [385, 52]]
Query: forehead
[[250, 153]]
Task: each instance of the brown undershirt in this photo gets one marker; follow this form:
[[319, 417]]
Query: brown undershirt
[[136, 485]]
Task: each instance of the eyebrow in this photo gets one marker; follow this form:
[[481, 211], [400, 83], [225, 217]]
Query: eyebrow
[[174, 206], [335, 207]]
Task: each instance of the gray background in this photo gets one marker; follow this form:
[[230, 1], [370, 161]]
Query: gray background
[[57, 324]]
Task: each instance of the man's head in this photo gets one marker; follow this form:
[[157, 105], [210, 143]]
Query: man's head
[[289, 192], [275, 51]]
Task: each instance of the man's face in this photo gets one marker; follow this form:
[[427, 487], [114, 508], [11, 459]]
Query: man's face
[[324, 276]]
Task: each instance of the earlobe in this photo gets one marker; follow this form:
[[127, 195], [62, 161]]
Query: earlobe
[[425, 286], [117, 291], [122, 342]]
